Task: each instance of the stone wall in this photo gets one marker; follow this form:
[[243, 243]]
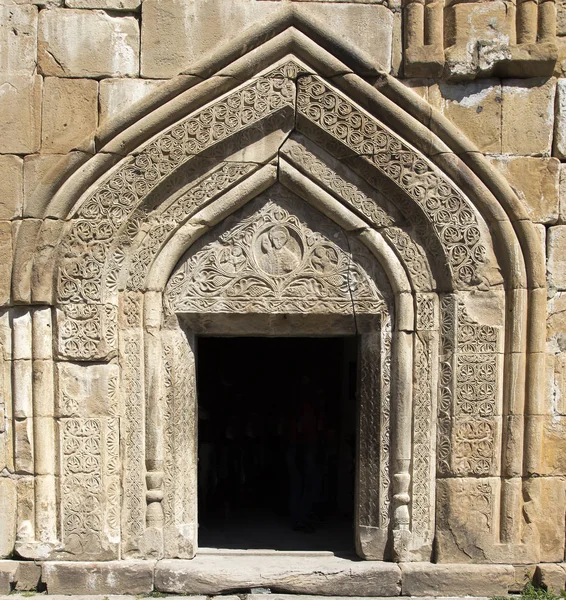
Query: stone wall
[[71, 70]]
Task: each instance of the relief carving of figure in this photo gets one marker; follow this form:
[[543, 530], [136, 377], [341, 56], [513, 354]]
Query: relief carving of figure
[[279, 253]]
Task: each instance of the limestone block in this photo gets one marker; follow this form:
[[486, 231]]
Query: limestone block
[[8, 501], [23, 445], [86, 390], [528, 116], [425, 579], [554, 445], [562, 207], [5, 261], [113, 577], [556, 257], [22, 388], [537, 183], [44, 263], [523, 576], [25, 513], [551, 577], [475, 34], [560, 123], [24, 248], [18, 39], [117, 95], [475, 108], [42, 174], [177, 33], [544, 507], [70, 114], [27, 576], [8, 571], [11, 186], [80, 43], [327, 575], [20, 113], [104, 4]]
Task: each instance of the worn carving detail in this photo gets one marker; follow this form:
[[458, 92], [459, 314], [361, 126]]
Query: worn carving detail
[[445, 207], [101, 215], [86, 331], [369, 430], [271, 261], [89, 455], [422, 429], [412, 257], [426, 312], [468, 393], [162, 224], [179, 485], [345, 190], [385, 443]]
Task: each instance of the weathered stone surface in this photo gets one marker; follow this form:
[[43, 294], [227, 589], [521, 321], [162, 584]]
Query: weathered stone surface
[[117, 95], [42, 175], [552, 577], [11, 186], [299, 575], [20, 107], [105, 4], [80, 43], [8, 500], [424, 579], [27, 576], [475, 108], [18, 39], [536, 182], [124, 577], [476, 36], [70, 114], [528, 116], [556, 261], [5, 260], [560, 122], [86, 390], [175, 34]]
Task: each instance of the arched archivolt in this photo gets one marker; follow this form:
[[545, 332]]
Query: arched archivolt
[[382, 173]]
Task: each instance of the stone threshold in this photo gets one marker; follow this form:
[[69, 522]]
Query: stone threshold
[[217, 573]]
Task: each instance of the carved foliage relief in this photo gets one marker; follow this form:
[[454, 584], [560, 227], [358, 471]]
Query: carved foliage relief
[[468, 424], [453, 220], [270, 260], [90, 487]]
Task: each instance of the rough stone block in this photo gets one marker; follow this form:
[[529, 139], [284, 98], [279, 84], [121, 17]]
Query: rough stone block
[[5, 261], [81, 43], [70, 114], [475, 108], [117, 95], [23, 445], [42, 175], [528, 116], [556, 257], [425, 579], [24, 247], [20, 113], [176, 33], [86, 390], [11, 186], [537, 183], [551, 577], [560, 122], [18, 39], [476, 33], [8, 501], [27, 576], [112, 577], [105, 4], [327, 575]]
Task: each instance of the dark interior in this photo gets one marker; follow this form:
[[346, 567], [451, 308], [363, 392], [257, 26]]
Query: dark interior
[[277, 423]]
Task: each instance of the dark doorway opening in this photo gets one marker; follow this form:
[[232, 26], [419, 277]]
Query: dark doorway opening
[[277, 443]]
